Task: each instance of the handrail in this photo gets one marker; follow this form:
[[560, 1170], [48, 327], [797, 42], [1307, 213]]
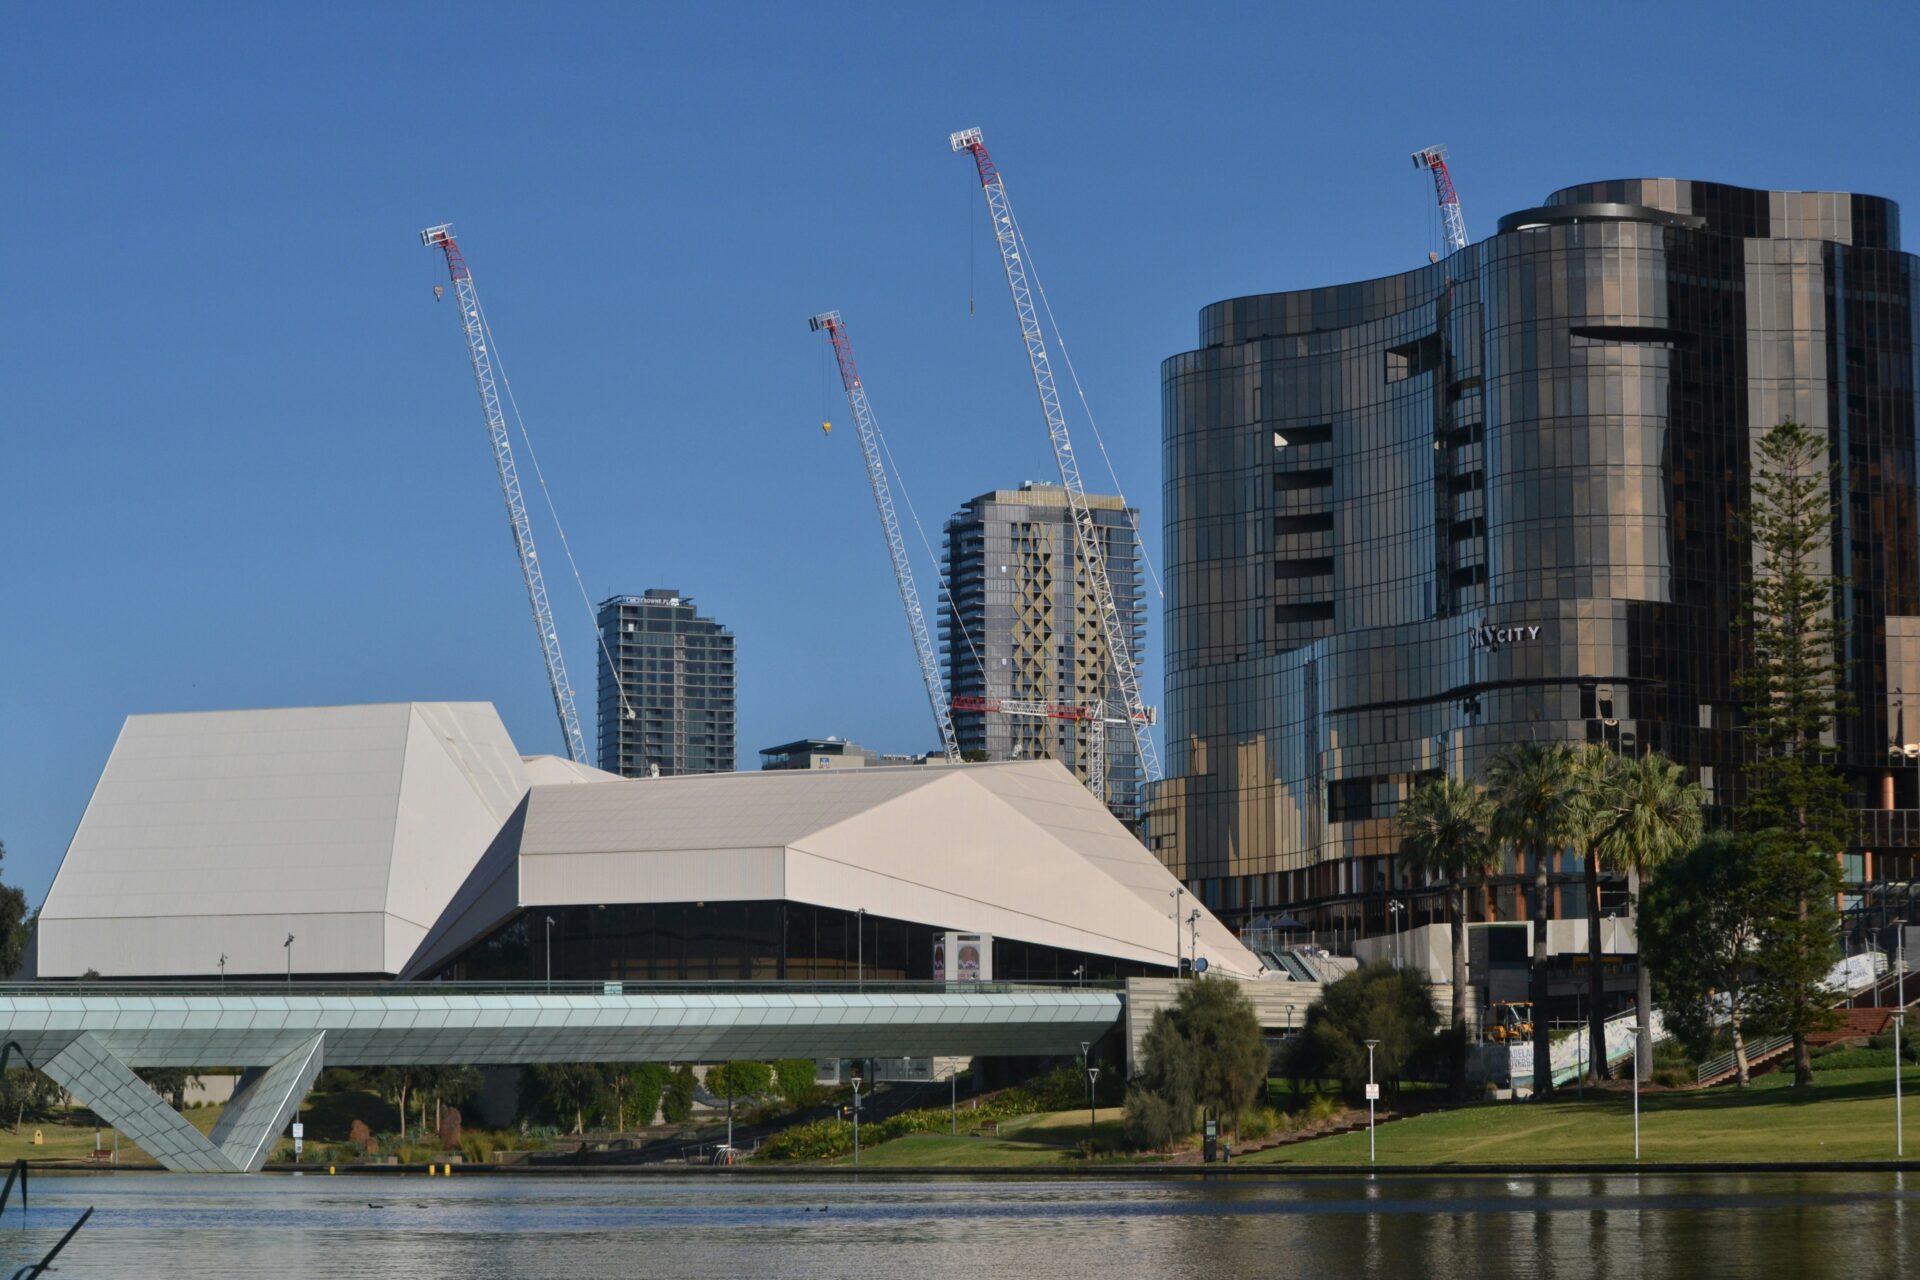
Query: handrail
[[609, 987], [1726, 1062]]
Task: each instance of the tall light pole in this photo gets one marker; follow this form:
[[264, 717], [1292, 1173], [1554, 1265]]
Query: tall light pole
[[1193, 936], [1175, 894], [953, 1098], [1635, 1032], [549, 953], [1373, 1095], [223, 968], [288, 944], [1899, 1124], [856, 1122], [1394, 908], [1093, 1078]]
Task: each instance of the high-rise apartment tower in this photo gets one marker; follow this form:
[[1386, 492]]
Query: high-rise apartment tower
[[1021, 624], [676, 673]]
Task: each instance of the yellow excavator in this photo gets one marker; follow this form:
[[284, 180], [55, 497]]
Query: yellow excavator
[[1512, 1021]]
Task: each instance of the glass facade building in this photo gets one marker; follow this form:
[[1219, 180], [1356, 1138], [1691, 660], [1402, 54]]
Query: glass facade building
[[1019, 623], [1413, 520], [672, 707]]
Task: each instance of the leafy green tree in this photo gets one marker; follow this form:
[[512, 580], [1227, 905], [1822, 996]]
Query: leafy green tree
[[1205, 1051], [1655, 817], [1534, 788], [1795, 816], [397, 1085], [16, 925], [26, 1092], [639, 1091], [676, 1107], [1445, 828], [740, 1080], [578, 1089], [1699, 924], [1149, 1122], [1376, 1002], [793, 1079], [1596, 774]]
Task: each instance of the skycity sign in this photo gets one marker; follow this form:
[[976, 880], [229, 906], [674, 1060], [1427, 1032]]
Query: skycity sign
[[1494, 637]]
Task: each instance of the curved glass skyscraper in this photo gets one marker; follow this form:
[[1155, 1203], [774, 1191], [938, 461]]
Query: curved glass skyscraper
[[1415, 519]]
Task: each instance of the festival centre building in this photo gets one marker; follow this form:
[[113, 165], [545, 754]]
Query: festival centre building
[[413, 840]]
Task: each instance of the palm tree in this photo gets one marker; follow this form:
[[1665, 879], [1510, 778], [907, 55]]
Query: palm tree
[[1533, 790], [1596, 770], [1445, 827], [1656, 815]]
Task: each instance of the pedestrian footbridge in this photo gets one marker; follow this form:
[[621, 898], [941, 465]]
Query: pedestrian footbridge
[[90, 1036]]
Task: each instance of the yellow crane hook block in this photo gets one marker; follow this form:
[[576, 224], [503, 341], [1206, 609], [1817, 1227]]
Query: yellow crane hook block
[[826, 428]]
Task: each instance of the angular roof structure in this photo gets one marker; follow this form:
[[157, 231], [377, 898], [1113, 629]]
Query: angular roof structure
[[1019, 850], [219, 833]]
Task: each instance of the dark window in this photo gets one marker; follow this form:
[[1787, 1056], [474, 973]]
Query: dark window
[[1643, 335], [1350, 800], [1305, 567], [1322, 434], [1412, 359], [1311, 611], [1465, 433], [1312, 522], [1309, 478]]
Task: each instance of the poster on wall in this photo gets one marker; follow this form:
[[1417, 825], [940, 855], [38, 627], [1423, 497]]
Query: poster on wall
[[939, 957], [967, 959]]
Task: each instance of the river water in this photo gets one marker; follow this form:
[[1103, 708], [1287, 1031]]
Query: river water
[[1781, 1226]]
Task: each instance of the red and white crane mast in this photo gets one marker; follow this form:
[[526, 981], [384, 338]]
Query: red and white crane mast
[[473, 322], [836, 331], [1119, 644], [1434, 159]]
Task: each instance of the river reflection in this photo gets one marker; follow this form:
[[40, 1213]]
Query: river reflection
[[483, 1228]]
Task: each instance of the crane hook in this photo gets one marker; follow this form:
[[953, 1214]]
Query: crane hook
[[439, 292], [826, 428]]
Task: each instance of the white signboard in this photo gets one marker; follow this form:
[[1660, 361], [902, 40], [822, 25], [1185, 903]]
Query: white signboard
[[1373, 1093]]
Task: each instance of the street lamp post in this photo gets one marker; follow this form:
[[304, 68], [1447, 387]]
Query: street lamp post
[[1193, 935], [1634, 1031], [856, 1122], [1899, 1124], [549, 953], [953, 1098], [1175, 894], [1394, 908], [1093, 1078], [1373, 1094], [223, 968], [288, 944]]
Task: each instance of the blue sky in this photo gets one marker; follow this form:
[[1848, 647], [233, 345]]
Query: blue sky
[[245, 459]]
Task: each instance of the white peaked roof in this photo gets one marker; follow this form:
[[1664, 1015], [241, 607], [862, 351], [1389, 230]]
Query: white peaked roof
[[1019, 850], [215, 833]]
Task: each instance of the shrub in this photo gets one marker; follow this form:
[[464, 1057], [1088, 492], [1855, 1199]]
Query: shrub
[[476, 1146], [1853, 1059], [818, 1140], [676, 1106], [794, 1078], [1149, 1123], [1673, 1077], [1321, 1109], [1261, 1122]]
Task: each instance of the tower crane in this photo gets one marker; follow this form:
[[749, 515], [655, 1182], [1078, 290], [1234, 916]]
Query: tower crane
[[473, 322], [1093, 718], [1114, 635], [836, 330], [1434, 159]]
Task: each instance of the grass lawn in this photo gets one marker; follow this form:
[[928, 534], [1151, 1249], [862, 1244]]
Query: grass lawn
[[1845, 1115], [73, 1141], [1024, 1140]]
